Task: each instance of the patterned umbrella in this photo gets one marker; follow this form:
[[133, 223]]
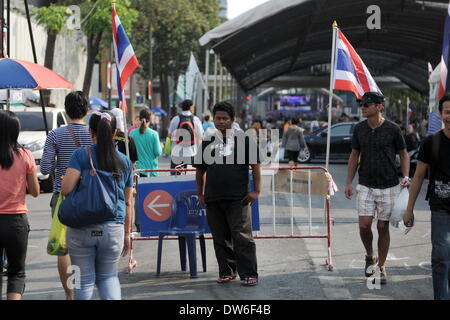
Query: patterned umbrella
[[19, 74]]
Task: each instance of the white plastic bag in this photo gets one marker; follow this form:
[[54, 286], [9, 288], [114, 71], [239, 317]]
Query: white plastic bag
[[399, 209]]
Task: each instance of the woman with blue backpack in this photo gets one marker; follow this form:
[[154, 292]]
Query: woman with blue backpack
[[99, 221]]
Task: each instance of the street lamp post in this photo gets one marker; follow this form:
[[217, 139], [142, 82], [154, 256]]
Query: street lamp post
[[150, 60], [8, 53], [206, 89], [33, 48], [109, 76], [221, 81], [215, 80]]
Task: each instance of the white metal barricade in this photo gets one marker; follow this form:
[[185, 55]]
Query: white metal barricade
[[311, 181]]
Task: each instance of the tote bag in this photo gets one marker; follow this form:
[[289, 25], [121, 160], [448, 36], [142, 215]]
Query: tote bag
[[95, 199]]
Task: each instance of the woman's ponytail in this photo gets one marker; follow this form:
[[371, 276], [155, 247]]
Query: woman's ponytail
[[143, 126], [104, 125], [144, 117]]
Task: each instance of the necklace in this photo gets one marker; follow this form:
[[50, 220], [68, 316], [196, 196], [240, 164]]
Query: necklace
[[380, 122]]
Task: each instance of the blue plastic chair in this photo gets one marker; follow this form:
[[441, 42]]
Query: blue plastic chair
[[187, 222]]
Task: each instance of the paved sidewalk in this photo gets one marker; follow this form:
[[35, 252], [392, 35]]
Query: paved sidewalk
[[289, 269]]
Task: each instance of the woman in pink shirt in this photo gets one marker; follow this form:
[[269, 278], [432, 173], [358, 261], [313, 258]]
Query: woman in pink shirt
[[18, 172], [136, 124]]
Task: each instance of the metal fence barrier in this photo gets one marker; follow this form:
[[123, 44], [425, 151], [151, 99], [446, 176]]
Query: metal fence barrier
[[294, 203]]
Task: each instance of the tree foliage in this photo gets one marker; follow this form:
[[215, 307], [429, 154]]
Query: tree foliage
[[398, 100], [176, 27], [52, 18], [97, 26], [96, 15]]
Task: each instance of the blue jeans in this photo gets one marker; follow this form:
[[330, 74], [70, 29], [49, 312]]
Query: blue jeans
[[96, 250], [440, 254]]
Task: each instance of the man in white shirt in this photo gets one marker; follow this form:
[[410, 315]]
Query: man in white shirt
[[183, 150], [118, 113]]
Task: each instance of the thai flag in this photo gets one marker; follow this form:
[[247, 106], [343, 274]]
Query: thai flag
[[351, 74], [126, 61], [445, 85]]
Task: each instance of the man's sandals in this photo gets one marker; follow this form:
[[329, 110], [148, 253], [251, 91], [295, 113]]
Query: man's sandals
[[225, 279], [249, 282]]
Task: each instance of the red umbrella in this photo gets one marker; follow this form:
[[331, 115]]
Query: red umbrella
[[20, 74]]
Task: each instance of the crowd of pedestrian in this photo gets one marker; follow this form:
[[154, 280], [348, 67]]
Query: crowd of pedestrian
[[101, 148]]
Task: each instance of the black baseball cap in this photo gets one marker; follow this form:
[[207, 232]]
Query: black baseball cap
[[371, 97]]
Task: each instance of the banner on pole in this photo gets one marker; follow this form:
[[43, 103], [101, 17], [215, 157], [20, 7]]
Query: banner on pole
[[301, 182]]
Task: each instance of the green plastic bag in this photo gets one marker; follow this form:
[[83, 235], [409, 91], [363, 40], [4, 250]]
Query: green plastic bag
[[168, 146], [56, 245]]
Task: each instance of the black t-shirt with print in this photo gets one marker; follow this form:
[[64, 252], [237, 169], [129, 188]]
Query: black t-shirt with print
[[227, 166], [440, 181], [378, 148]]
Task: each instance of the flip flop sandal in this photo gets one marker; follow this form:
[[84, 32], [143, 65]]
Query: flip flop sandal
[[249, 282], [225, 279]]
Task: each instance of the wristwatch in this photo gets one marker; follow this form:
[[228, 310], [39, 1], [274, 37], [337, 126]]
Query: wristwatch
[[406, 177]]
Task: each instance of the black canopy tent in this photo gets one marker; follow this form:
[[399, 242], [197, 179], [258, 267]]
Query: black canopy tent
[[283, 36]]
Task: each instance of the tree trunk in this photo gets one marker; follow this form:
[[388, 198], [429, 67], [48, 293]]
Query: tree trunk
[[93, 47], [164, 89], [174, 91], [48, 63], [164, 92]]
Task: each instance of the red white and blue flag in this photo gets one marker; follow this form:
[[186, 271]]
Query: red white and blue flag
[[126, 60], [351, 74], [445, 85]]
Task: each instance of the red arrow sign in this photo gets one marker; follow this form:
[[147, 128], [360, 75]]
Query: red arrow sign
[[158, 205]]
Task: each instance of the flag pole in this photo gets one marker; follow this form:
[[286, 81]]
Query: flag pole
[[408, 102], [330, 104], [127, 149]]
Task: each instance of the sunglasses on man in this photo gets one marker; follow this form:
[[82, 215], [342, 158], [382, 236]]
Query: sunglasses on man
[[366, 105]]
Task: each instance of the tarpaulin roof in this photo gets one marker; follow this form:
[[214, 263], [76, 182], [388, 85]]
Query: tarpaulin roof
[[282, 36]]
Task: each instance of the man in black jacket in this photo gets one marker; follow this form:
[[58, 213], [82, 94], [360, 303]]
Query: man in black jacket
[[226, 158]]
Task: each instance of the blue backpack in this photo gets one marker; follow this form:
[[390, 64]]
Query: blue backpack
[[95, 199]]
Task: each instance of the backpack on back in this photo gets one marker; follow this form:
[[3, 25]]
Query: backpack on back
[[187, 124]]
